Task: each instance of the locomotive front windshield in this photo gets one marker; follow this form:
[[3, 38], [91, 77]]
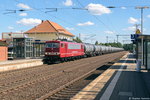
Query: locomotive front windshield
[[52, 45]]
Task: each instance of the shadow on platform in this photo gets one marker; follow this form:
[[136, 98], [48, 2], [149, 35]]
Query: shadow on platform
[[127, 61], [100, 70], [131, 56], [130, 85]]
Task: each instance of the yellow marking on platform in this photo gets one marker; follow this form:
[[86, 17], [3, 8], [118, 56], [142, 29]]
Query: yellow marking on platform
[[95, 86], [126, 64], [91, 90]]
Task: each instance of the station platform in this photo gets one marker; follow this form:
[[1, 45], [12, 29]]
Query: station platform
[[18, 64], [120, 82]]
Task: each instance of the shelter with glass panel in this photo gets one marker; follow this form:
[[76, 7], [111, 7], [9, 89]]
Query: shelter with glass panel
[[23, 47], [146, 50], [38, 48]]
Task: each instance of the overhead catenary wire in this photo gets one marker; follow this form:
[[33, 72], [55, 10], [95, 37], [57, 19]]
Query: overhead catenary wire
[[95, 17], [69, 23], [56, 17], [14, 11], [107, 26]]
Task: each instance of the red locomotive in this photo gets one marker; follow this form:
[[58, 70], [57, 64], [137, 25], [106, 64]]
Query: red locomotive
[[62, 51], [56, 51]]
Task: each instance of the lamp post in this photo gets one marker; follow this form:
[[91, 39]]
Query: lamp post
[[141, 8], [106, 39], [117, 38], [120, 35]]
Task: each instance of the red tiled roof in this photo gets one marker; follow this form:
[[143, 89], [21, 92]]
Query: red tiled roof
[[49, 26]]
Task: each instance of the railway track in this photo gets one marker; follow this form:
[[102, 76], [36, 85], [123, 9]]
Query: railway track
[[72, 88], [68, 90], [39, 74], [32, 83]]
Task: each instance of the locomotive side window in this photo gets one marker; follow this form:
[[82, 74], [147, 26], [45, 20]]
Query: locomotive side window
[[74, 46], [52, 45]]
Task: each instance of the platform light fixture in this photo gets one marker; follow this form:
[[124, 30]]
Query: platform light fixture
[[142, 8]]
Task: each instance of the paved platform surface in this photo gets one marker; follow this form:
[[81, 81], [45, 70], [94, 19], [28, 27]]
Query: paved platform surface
[[17, 61], [17, 64], [119, 82]]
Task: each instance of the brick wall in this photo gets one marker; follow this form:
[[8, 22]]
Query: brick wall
[[3, 53]]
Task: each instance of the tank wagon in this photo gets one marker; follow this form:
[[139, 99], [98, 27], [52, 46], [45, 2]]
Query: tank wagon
[[56, 51]]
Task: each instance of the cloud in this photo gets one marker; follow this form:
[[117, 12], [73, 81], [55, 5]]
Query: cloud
[[123, 8], [132, 20], [10, 27], [29, 21], [131, 28], [109, 32], [69, 28], [24, 6], [23, 14], [85, 24], [68, 3], [97, 9], [148, 16], [21, 31]]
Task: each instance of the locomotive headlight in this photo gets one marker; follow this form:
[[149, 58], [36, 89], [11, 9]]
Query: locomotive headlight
[[52, 53], [46, 53], [57, 53]]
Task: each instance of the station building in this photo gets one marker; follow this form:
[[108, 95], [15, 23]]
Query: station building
[[8, 37], [49, 30], [31, 43]]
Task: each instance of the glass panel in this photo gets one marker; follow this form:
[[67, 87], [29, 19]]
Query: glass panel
[[145, 43], [148, 55], [52, 45], [139, 51]]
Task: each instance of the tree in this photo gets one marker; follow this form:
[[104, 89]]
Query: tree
[[114, 44], [96, 43], [128, 47], [78, 40], [101, 44]]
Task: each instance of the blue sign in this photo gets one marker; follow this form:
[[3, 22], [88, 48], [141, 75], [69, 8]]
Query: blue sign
[[134, 36]]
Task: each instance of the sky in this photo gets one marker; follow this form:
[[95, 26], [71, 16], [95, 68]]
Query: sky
[[91, 18]]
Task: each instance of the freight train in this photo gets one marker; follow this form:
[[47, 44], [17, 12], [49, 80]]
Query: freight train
[[60, 51]]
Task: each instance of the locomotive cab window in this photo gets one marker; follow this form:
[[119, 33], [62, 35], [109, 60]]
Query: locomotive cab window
[[82, 47], [52, 45], [62, 45]]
